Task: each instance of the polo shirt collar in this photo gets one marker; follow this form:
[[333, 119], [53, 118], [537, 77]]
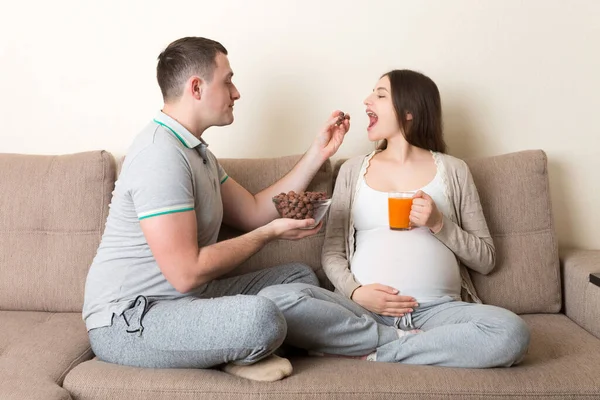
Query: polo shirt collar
[[185, 137]]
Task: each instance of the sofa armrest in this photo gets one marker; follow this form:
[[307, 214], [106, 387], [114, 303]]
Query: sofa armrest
[[581, 297]]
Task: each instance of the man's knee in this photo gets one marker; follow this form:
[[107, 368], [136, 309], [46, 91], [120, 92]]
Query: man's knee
[[267, 324]]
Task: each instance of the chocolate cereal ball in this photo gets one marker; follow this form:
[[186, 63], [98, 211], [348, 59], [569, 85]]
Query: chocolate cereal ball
[[298, 205]]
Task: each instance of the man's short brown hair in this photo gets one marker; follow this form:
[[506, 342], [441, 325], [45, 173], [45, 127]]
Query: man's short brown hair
[[183, 58]]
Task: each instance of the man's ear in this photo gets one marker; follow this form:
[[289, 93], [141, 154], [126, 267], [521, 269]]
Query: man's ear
[[196, 87]]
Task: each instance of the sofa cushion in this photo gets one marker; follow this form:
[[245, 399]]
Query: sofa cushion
[[53, 213], [515, 195], [257, 174], [42, 345], [563, 362], [26, 388]]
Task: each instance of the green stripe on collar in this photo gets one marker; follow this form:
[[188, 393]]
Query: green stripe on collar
[[182, 140]]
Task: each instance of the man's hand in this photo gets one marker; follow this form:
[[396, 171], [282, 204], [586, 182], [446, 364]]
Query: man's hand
[[383, 300], [291, 229], [329, 140], [247, 212]]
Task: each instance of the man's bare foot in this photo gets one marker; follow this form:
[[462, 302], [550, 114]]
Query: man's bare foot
[[270, 369]]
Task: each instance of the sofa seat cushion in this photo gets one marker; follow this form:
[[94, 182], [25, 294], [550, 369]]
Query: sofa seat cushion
[[41, 346], [25, 388], [562, 363]]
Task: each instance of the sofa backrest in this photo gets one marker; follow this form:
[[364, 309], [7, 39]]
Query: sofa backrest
[[53, 210], [257, 174], [52, 214], [515, 195]]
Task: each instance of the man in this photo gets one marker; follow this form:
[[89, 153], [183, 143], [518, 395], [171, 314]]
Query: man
[[153, 296]]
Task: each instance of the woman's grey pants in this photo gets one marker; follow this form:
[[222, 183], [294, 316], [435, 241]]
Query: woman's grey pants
[[456, 334]]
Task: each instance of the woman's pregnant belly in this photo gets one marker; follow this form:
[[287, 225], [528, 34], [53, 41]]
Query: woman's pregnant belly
[[413, 262]]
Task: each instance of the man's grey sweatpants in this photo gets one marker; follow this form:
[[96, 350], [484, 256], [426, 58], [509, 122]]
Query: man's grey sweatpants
[[224, 323], [456, 334]]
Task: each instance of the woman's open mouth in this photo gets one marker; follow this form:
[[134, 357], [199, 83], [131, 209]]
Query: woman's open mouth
[[372, 118]]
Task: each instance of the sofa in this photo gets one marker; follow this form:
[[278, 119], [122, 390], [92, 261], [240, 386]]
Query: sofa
[[52, 215]]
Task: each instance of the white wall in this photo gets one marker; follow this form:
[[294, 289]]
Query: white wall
[[80, 75]]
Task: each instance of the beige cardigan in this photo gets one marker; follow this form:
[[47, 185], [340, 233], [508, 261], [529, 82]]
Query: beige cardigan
[[465, 232]]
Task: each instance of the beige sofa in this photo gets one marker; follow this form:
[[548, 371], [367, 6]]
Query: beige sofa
[[52, 213]]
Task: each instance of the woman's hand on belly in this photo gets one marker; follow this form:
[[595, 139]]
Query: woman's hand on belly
[[383, 300]]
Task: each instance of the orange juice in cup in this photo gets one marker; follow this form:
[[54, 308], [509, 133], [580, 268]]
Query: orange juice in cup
[[399, 205]]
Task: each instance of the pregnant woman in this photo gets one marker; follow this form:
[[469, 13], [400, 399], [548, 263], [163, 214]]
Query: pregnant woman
[[404, 295]]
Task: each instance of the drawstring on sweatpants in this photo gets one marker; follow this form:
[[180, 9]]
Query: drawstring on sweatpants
[[405, 323], [139, 307]]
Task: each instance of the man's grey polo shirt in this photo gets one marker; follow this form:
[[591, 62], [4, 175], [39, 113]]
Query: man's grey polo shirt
[[164, 172]]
